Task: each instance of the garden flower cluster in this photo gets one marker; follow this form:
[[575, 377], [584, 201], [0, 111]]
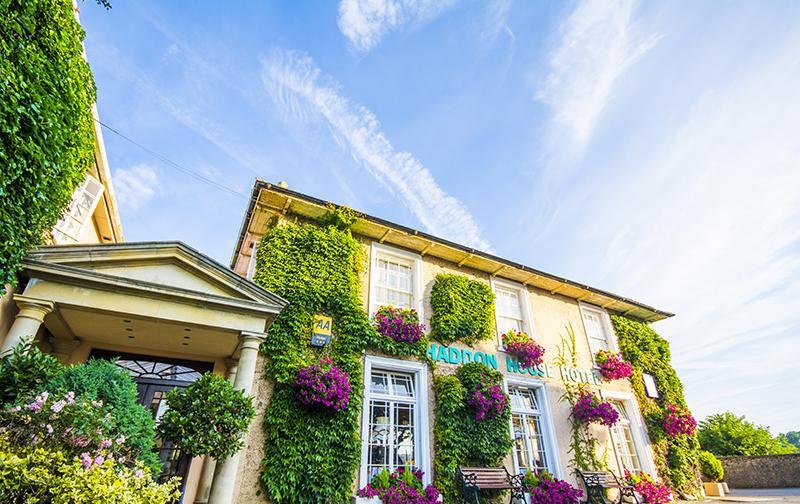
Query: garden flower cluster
[[678, 421], [613, 366], [400, 324], [65, 423], [400, 487], [651, 491], [590, 409], [546, 489], [489, 400], [519, 344], [323, 385]]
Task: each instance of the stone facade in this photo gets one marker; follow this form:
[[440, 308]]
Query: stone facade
[[765, 471]]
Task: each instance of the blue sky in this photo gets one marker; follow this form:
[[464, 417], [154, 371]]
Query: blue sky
[[650, 149]]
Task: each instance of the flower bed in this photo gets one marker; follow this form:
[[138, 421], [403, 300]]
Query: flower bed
[[678, 421], [323, 386], [400, 324], [651, 491], [613, 366], [400, 487], [488, 399], [591, 409], [546, 489], [519, 344]]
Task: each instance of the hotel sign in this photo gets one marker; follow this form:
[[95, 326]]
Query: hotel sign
[[458, 356], [321, 331]]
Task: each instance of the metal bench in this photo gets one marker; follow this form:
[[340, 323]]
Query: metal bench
[[597, 482], [474, 479]]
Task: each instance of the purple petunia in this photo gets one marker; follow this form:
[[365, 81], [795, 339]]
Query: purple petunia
[[400, 324], [323, 385], [488, 399], [613, 366], [590, 409], [546, 489], [528, 352], [678, 421]]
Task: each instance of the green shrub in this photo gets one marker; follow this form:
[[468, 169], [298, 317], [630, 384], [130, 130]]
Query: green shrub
[[209, 417], [675, 457], [105, 381], [463, 310], [47, 141], [710, 466], [32, 475], [459, 438], [728, 434], [24, 371]]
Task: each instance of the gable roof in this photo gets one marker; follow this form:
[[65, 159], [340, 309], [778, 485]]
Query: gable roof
[[167, 269], [273, 199]]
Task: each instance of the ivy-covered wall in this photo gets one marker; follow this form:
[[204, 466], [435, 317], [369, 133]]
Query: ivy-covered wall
[[312, 456], [676, 457], [47, 137], [463, 310]]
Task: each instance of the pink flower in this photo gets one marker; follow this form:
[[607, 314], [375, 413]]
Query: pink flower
[[138, 473], [86, 460], [120, 440], [99, 460], [70, 397], [57, 406], [49, 429], [106, 443]]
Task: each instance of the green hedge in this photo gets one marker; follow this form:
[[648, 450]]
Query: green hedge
[[46, 95], [463, 310], [710, 466], [312, 456], [459, 438], [676, 458]]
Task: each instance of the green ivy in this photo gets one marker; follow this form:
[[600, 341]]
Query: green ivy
[[460, 440], [676, 458], [463, 310], [312, 456], [209, 417], [46, 131]]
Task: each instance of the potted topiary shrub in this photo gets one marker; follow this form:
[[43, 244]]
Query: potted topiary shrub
[[711, 469]]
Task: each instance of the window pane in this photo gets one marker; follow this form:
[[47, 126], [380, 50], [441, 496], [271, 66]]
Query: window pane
[[595, 330], [379, 383], [539, 462], [403, 385], [523, 399], [518, 435]]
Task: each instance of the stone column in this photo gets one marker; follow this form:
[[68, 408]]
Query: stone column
[[63, 348], [27, 322], [225, 475], [209, 464]]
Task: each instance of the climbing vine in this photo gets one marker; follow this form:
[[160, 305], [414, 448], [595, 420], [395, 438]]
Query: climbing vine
[[676, 456], [582, 445], [460, 439], [463, 310], [312, 455], [46, 97]]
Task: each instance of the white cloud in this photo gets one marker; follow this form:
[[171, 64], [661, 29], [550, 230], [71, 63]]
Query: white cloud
[[495, 20], [135, 186], [365, 22], [300, 90], [598, 43]]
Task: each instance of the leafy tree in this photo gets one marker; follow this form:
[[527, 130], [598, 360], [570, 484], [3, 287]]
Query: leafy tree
[[46, 132], [727, 434], [793, 437], [24, 371]]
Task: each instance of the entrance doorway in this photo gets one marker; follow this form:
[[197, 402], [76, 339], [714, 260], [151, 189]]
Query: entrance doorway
[[154, 377]]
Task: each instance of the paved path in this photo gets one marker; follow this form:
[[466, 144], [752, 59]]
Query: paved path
[[759, 495]]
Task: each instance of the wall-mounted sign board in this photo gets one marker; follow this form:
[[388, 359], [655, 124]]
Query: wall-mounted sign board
[[650, 388], [321, 331]]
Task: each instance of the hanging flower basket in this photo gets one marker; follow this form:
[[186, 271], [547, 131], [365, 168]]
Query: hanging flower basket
[[400, 324], [489, 401], [651, 491], [678, 421], [591, 409], [544, 488], [520, 345], [323, 386], [613, 366]]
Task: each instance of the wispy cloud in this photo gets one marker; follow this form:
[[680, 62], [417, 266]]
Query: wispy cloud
[[300, 89], [495, 21], [598, 43], [135, 186], [365, 22]]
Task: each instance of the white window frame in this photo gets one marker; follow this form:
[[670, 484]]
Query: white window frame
[[251, 264], [638, 429], [421, 413], [605, 320], [379, 250], [525, 304], [549, 434], [60, 234]]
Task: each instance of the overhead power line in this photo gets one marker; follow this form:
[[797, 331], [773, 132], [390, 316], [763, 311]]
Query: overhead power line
[[173, 164]]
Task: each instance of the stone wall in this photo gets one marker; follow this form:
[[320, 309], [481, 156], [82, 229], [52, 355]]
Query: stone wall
[[765, 471]]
